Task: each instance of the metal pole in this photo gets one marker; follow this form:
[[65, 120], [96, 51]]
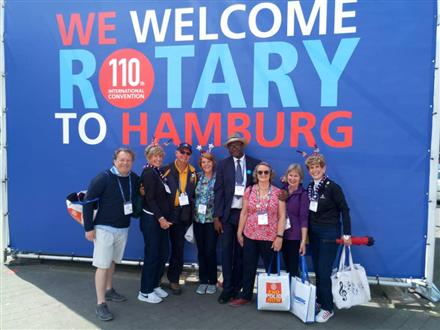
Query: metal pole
[[3, 143], [383, 281], [434, 158]]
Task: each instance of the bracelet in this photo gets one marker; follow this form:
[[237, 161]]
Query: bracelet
[[280, 236]]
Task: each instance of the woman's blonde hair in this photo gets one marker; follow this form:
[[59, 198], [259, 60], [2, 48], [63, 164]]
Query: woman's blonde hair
[[153, 150], [315, 160]]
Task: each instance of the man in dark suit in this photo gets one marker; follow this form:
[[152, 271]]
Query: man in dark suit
[[234, 174]]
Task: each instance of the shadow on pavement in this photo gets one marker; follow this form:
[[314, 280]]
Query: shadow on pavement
[[61, 295]]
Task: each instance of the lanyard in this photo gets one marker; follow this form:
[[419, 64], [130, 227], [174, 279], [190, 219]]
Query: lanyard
[[269, 194], [178, 180], [122, 192], [204, 198]]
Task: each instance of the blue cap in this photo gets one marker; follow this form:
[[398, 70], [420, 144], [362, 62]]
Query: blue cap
[[184, 145]]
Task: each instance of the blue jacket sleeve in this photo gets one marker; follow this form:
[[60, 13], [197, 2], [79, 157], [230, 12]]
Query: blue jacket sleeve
[[219, 192], [343, 208], [95, 190], [148, 181], [304, 210]]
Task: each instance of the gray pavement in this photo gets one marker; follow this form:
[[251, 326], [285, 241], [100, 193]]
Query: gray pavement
[[61, 295]]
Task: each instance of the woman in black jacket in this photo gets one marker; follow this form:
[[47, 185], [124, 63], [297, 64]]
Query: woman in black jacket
[[154, 225], [329, 219]]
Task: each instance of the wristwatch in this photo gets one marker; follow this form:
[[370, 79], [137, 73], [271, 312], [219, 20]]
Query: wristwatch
[[346, 237], [280, 236]]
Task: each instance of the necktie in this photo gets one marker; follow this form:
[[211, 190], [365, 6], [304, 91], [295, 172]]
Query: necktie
[[238, 174]]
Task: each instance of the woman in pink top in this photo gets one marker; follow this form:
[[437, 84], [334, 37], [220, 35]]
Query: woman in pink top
[[261, 227]]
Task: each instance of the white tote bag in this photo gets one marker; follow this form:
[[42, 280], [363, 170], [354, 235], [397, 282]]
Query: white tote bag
[[273, 291], [303, 295], [349, 284], [189, 235]]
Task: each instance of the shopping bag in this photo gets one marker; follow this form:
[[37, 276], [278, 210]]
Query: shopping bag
[[75, 202], [189, 235], [273, 292], [349, 283], [303, 295]]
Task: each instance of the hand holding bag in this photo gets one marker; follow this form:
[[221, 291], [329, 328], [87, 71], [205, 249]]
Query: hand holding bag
[[303, 295], [273, 289], [349, 284]]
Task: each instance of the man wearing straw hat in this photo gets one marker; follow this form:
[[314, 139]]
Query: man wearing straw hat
[[234, 174]]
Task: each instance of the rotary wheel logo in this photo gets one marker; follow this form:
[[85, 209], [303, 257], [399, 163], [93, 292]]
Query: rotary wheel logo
[[126, 78]]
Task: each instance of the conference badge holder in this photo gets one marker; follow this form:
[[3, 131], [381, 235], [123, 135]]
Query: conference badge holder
[[128, 208], [202, 209], [239, 190], [183, 199], [313, 206], [263, 219]]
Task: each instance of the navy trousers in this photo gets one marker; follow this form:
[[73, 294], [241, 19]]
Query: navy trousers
[[156, 250], [252, 250], [206, 240], [232, 255], [177, 240], [323, 255], [290, 251]]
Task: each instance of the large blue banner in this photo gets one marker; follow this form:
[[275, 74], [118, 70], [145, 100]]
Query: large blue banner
[[354, 77]]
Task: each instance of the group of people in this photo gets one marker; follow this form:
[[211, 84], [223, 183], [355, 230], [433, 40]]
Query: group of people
[[235, 200]]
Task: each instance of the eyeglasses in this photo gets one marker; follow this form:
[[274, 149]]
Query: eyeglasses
[[263, 172], [185, 152]]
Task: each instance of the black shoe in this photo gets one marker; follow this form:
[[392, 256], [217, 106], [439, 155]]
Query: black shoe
[[175, 288], [224, 297], [103, 313]]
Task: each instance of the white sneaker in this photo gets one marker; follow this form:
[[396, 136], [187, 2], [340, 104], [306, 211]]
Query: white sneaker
[[211, 289], [160, 292], [323, 316], [201, 289], [151, 298]]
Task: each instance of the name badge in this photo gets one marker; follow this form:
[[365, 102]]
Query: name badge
[[288, 226], [183, 199], [239, 190], [128, 208], [262, 219], [202, 209], [313, 206], [167, 188]]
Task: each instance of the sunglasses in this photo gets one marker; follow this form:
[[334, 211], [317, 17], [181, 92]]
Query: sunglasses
[[263, 172], [183, 152]]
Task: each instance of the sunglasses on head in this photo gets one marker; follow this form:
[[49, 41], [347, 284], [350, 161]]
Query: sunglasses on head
[[266, 172], [183, 152]]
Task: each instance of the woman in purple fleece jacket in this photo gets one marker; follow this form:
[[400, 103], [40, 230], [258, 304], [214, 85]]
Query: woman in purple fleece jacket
[[297, 205]]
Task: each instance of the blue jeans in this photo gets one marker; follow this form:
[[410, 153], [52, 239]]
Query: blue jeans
[[156, 252], [323, 256]]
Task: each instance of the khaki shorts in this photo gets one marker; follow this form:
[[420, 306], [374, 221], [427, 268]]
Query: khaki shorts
[[108, 247]]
